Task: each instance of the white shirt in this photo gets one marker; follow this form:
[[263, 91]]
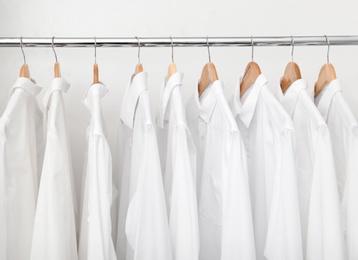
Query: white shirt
[[268, 134], [225, 219], [322, 237], [344, 135], [143, 232], [54, 235], [95, 235], [178, 157], [21, 141]]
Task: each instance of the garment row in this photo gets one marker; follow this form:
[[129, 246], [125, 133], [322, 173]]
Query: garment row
[[261, 176]]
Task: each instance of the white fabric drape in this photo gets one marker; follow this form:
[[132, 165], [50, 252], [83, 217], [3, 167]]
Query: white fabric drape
[[54, 235], [22, 155]]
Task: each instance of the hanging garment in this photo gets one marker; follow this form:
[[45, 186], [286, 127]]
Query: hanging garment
[[21, 142], [322, 236], [95, 235], [178, 157], [344, 135], [143, 232], [54, 235], [225, 219], [268, 134]]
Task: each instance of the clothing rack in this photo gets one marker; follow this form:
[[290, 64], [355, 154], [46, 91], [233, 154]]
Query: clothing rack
[[336, 40]]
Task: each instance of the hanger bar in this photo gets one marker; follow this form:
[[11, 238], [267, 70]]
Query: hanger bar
[[334, 40]]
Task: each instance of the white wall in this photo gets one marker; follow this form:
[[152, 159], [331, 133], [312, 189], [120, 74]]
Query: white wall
[[169, 18]]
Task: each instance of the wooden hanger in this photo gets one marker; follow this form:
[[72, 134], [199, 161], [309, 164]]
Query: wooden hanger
[[24, 70], [292, 73], [208, 74], [56, 68], [139, 66], [326, 74], [95, 65], [172, 66], [252, 71]]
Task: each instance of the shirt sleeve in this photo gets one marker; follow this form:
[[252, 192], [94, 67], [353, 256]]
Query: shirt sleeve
[[146, 225], [351, 195], [237, 225], [325, 235], [3, 232], [183, 217], [283, 239]]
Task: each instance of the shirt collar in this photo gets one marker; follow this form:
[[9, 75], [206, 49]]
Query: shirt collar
[[324, 99], [175, 80], [56, 84], [289, 99], [136, 86], [247, 109], [27, 85], [97, 90], [207, 101]]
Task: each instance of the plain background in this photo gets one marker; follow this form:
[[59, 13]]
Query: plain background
[[108, 18]]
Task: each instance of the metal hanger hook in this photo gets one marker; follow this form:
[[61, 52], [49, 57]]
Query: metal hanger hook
[[22, 50], [95, 50], [207, 43], [171, 40], [53, 48], [328, 49], [293, 46], [138, 50], [252, 48]]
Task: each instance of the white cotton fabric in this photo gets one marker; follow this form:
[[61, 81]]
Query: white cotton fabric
[[178, 158], [269, 138], [322, 236], [54, 235], [143, 232], [225, 219], [21, 140], [95, 241], [343, 127]]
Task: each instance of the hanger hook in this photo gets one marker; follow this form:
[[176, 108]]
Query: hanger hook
[[95, 50], [171, 40], [293, 46], [252, 48], [53, 48], [328, 49], [138, 50], [22, 50], [207, 43]]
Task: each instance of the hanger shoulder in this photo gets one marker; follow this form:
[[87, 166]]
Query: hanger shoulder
[[326, 75], [57, 71], [138, 68], [171, 70], [208, 76], [24, 71], [95, 73], [252, 71], [292, 73]]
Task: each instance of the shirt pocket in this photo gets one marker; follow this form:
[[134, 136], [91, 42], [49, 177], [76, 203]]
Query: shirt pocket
[[210, 204]]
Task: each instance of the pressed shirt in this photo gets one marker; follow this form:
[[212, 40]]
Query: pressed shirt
[[178, 157], [143, 232], [269, 138], [343, 127], [21, 141], [95, 241], [54, 235], [225, 220], [322, 236]]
